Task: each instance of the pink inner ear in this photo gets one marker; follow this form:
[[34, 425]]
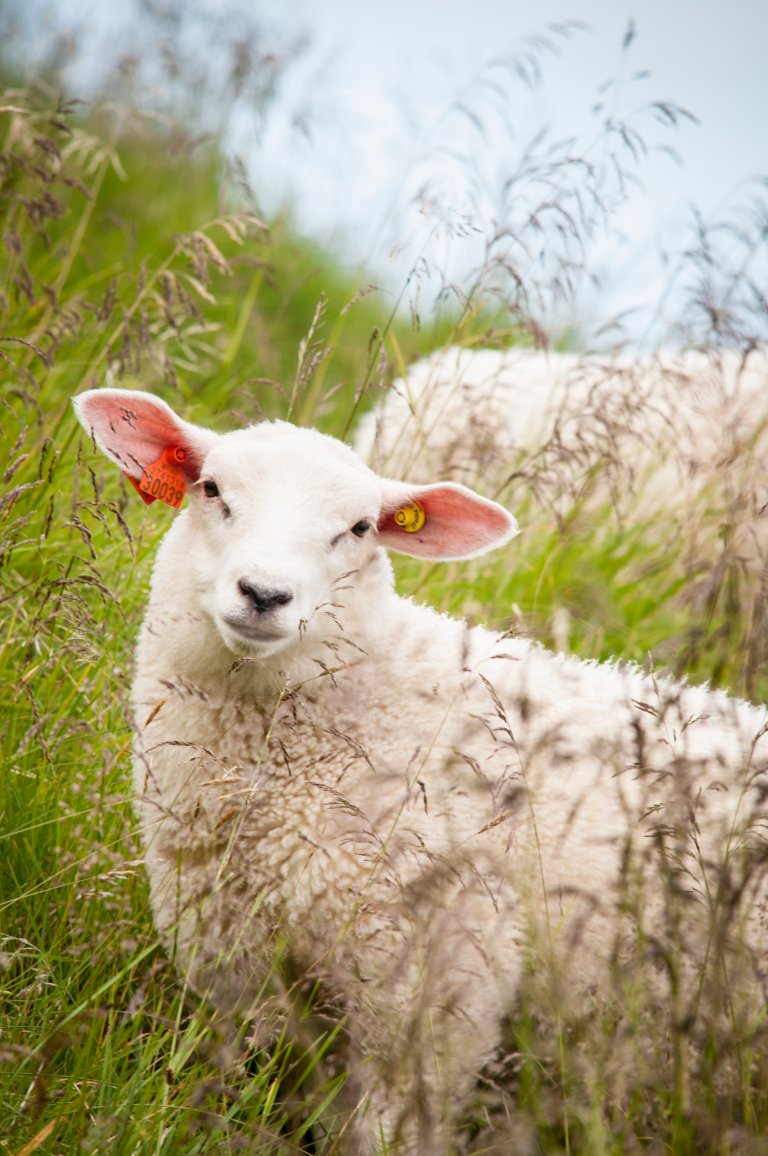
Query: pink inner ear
[[458, 522], [134, 429]]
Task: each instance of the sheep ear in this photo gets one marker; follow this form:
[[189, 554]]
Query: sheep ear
[[159, 452], [441, 521]]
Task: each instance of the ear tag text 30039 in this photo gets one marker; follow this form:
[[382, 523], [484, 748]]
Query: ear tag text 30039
[[163, 480]]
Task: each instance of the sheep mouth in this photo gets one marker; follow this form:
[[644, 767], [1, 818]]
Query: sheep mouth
[[255, 634]]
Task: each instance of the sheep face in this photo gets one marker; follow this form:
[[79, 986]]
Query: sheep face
[[285, 525]]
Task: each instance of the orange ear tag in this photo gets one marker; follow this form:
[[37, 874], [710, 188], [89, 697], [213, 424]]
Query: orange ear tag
[[411, 518], [163, 479]]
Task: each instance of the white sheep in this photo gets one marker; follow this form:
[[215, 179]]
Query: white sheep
[[426, 819], [681, 432]]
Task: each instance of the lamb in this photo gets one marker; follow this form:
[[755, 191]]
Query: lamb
[[424, 819]]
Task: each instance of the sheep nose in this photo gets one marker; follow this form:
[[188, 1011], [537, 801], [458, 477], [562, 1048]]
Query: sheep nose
[[262, 598]]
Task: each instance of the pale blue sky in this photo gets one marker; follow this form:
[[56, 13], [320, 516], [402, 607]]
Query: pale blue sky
[[373, 96]]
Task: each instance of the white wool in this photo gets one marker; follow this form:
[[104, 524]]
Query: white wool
[[416, 812], [679, 431]]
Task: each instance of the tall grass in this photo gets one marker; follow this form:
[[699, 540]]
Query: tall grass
[[125, 262]]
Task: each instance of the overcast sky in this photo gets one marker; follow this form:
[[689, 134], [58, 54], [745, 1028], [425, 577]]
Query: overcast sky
[[395, 117], [372, 62], [382, 77]]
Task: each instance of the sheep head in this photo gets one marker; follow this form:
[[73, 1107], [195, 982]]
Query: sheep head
[[284, 521]]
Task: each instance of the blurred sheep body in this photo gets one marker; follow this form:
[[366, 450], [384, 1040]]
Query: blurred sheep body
[[419, 815], [679, 429]]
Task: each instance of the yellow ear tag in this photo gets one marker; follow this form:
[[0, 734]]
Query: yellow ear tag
[[163, 479], [411, 518]]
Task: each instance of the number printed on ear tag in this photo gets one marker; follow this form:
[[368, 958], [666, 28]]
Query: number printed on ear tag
[[164, 480], [411, 518]]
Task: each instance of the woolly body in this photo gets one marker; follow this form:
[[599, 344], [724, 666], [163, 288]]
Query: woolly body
[[668, 430], [418, 813]]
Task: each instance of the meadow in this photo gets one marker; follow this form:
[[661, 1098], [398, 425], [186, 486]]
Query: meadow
[[130, 257]]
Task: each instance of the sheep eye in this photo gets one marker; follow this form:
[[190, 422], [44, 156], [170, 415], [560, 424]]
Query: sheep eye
[[361, 528], [210, 489]]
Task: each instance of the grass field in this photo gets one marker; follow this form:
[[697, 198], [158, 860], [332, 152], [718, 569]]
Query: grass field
[[123, 264]]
